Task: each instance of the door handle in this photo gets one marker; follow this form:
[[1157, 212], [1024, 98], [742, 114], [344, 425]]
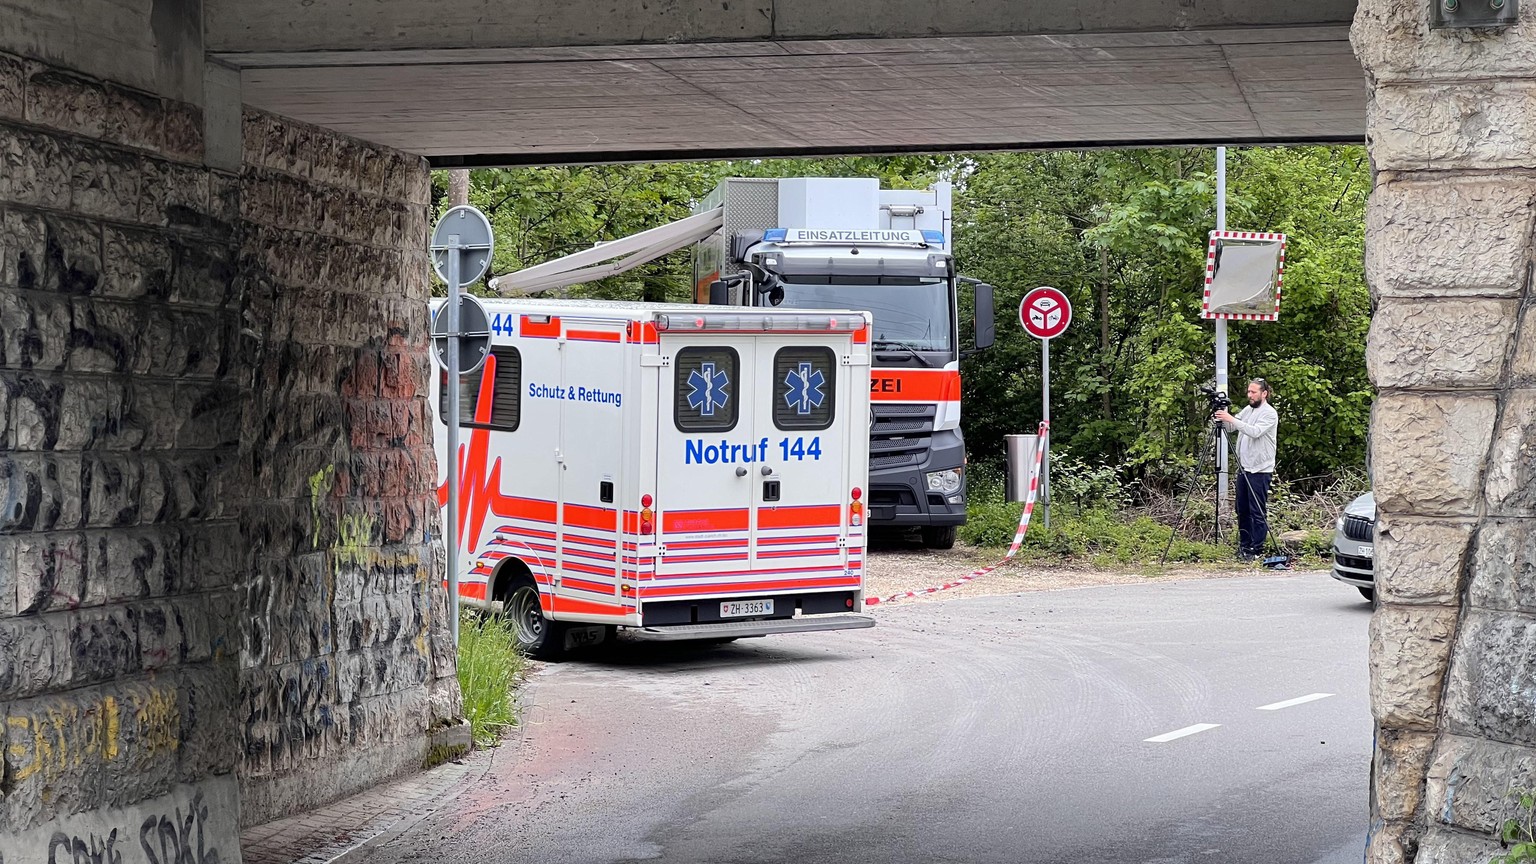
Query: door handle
[[740, 471], [767, 472]]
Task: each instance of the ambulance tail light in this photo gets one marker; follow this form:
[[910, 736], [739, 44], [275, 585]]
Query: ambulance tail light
[[765, 323], [647, 516], [856, 508]]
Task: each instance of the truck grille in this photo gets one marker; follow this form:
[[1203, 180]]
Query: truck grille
[[901, 435], [1359, 528]]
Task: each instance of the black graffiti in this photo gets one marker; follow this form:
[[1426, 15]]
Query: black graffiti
[[90, 849], [174, 837]]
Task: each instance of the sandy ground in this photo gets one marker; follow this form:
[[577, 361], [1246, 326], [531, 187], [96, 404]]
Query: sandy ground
[[896, 567]]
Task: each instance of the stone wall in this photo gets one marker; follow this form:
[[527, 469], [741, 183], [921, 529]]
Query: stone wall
[[215, 472], [340, 661], [1452, 135]]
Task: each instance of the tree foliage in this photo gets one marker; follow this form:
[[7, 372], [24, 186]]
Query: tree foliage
[[1122, 233]]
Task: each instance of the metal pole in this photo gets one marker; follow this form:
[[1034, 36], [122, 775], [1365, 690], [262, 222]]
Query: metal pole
[[1045, 443], [453, 437], [1221, 338]]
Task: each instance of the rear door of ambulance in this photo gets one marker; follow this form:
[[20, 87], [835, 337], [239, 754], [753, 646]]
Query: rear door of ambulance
[[754, 472]]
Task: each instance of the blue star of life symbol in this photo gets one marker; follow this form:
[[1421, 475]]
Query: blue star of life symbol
[[804, 389], [708, 391]]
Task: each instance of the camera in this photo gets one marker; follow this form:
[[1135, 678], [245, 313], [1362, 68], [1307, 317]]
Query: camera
[[1218, 399]]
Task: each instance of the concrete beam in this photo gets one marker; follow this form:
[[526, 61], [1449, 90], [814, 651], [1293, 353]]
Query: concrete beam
[[248, 26]]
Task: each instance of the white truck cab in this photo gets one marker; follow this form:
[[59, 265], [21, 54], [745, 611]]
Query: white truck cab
[[686, 472]]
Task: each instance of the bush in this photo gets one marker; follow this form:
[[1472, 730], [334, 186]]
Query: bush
[[489, 667]]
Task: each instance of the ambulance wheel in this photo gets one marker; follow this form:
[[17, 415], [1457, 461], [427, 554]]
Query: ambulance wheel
[[537, 636], [939, 538]]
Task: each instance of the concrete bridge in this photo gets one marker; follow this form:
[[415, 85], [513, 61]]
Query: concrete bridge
[[218, 599]]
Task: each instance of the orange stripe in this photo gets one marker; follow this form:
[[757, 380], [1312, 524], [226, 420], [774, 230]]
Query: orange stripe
[[595, 335], [814, 516], [589, 569], [583, 607], [472, 590], [595, 518], [914, 385], [548, 330], [861, 336], [685, 521], [528, 508]]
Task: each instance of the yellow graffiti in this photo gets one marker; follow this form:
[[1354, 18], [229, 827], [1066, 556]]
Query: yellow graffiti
[[64, 734], [319, 487], [353, 536]]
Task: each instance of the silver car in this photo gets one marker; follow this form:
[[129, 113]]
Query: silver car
[[1354, 546]]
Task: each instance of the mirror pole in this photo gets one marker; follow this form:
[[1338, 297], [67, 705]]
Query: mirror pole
[[1222, 468]]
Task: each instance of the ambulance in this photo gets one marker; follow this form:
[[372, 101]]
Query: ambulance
[[679, 471]]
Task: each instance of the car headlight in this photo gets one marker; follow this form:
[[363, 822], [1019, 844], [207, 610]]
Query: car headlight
[[944, 482], [1340, 525]]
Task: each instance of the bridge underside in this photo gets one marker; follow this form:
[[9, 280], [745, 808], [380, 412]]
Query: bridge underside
[[808, 97]]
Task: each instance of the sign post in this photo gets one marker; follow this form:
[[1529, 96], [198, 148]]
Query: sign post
[[461, 254], [1045, 313]]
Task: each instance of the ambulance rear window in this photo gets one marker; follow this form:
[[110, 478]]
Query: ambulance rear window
[[804, 387], [705, 389], [505, 396]]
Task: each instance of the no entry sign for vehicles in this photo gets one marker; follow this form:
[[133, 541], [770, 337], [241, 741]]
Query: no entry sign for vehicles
[[1045, 313]]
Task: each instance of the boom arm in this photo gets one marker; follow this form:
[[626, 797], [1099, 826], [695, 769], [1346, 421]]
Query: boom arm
[[609, 259]]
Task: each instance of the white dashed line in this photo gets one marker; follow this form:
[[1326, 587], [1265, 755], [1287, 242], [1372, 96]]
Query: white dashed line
[[1180, 733], [1299, 700]]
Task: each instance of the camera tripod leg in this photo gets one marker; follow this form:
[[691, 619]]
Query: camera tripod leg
[[1213, 441]]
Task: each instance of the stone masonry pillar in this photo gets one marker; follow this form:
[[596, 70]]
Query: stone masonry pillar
[[1452, 136]]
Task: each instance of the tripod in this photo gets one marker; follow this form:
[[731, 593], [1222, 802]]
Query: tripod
[[1208, 455]]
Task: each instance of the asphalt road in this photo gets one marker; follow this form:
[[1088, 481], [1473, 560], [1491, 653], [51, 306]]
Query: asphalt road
[[995, 729]]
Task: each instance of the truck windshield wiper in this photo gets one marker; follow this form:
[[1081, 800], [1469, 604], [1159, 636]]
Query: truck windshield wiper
[[905, 346]]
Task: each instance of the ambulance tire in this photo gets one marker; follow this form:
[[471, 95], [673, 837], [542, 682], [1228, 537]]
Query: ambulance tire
[[942, 537], [536, 636]]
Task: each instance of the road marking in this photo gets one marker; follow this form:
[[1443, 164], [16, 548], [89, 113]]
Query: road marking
[[1299, 700], [1180, 733]]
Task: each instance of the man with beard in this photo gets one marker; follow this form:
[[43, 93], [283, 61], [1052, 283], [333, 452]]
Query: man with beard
[[1256, 440]]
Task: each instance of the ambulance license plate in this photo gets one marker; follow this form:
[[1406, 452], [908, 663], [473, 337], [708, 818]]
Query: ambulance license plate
[[744, 608]]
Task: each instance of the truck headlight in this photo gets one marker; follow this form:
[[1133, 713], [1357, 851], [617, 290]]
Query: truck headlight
[[944, 482]]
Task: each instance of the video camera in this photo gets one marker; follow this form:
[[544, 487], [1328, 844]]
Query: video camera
[[1218, 399]]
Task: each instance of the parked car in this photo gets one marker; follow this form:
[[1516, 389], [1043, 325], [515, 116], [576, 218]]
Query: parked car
[[1354, 546]]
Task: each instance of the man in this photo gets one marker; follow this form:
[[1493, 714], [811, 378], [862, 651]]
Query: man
[[1255, 427]]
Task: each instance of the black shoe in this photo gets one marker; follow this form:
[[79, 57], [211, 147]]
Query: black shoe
[[1247, 557]]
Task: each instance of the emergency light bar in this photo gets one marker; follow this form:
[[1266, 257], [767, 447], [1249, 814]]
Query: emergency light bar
[[769, 323]]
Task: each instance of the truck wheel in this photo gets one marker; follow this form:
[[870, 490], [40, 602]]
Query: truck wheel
[[939, 538], [1367, 593], [536, 636]]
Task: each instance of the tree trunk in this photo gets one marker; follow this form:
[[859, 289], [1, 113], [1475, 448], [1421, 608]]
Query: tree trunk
[[458, 187], [1106, 365]]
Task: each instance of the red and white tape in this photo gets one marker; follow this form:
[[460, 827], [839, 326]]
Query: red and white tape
[[1018, 538]]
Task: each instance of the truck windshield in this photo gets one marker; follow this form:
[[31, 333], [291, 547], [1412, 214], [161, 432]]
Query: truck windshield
[[910, 312]]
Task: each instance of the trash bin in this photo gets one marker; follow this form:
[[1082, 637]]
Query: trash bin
[[1021, 464]]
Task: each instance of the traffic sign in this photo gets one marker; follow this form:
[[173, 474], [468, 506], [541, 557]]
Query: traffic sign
[[1045, 313], [474, 334], [466, 230]]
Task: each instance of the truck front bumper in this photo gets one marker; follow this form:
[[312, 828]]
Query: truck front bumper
[[900, 498]]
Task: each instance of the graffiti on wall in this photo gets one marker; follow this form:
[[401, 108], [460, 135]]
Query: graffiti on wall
[[195, 824]]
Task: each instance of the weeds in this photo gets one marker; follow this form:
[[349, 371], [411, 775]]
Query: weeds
[[489, 667], [1519, 833], [1096, 518]]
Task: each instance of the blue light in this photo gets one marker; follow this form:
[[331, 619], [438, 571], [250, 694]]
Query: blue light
[[775, 235], [933, 238]]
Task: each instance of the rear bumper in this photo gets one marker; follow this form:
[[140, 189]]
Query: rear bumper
[[739, 629], [900, 498]]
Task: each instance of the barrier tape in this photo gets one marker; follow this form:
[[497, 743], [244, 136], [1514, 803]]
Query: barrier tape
[[1018, 538]]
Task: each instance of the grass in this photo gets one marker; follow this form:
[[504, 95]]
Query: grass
[[1100, 524], [489, 667]]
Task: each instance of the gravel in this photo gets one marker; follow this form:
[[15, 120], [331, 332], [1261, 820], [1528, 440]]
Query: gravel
[[894, 567]]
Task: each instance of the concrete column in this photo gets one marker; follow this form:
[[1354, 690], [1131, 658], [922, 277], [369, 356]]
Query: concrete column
[[1452, 136]]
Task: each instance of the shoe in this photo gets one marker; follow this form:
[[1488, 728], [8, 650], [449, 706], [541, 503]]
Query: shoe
[[1247, 557]]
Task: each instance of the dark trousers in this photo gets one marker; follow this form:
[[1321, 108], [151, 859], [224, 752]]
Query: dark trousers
[[1252, 503]]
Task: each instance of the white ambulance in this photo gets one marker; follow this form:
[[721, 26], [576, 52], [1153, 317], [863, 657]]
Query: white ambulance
[[688, 472]]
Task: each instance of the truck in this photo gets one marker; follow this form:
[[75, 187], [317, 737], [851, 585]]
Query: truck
[[679, 471], [814, 243]]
